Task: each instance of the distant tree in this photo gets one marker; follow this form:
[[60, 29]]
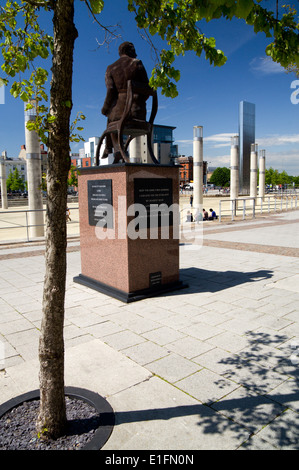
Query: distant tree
[[274, 177], [14, 181], [284, 178], [73, 176], [220, 176], [9, 181], [271, 176]]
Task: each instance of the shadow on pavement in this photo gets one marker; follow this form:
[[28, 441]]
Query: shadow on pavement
[[265, 400], [203, 280]]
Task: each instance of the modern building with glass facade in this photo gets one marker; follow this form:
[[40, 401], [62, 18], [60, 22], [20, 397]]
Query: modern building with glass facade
[[163, 147], [246, 138]]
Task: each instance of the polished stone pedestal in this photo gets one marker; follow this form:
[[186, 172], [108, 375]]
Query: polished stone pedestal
[[125, 254]]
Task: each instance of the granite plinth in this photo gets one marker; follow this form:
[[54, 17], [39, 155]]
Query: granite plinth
[[128, 297], [118, 256]]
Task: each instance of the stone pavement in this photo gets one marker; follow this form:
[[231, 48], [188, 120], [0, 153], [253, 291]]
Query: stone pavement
[[212, 366]]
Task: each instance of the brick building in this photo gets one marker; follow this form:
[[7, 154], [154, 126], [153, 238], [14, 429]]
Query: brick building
[[186, 170]]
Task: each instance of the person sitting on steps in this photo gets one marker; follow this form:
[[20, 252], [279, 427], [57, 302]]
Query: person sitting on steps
[[213, 215]]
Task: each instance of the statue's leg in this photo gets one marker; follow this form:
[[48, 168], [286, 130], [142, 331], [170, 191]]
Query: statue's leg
[[119, 153], [108, 146], [150, 149]]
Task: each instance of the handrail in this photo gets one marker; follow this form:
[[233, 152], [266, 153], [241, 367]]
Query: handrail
[[268, 203], [27, 225]]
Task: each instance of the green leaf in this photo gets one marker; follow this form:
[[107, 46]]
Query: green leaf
[[67, 103], [24, 96], [96, 6]]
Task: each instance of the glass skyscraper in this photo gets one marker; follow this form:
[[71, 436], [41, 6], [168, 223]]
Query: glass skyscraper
[[246, 138]]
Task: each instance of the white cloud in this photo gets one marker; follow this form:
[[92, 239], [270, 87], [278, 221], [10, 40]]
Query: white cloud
[[219, 160], [265, 66], [92, 106], [282, 151], [187, 141], [276, 139], [219, 140], [284, 161], [214, 141], [224, 140]]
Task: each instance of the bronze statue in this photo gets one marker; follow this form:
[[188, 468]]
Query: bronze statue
[[125, 106], [126, 68]]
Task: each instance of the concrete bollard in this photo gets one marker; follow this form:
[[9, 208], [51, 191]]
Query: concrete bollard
[[34, 178], [198, 168], [234, 172]]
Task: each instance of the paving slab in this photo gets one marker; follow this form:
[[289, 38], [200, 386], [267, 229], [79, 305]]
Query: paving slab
[[213, 366], [156, 416]]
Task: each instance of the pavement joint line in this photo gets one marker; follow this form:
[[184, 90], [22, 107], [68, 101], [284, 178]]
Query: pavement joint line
[[270, 249], [251, 227]]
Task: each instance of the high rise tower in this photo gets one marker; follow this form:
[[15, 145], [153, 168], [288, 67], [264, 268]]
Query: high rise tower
[[246, 138]]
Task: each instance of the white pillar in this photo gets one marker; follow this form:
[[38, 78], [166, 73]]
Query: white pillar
[[253, 171], [3, 183], [34, 177], [262, 168], [197, 167], [234, 169], [133, 150]]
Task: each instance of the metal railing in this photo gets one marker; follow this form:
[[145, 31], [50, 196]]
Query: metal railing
[[10, 220], [240, 207]]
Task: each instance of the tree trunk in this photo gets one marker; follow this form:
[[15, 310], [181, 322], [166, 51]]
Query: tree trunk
[[52, 414]]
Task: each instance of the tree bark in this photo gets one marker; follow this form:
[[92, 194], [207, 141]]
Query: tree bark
[[52, 414]]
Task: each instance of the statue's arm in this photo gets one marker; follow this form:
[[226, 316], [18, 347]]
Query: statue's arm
[[111, 96]]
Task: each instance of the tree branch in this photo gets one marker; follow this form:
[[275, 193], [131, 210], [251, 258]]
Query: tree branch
[[105, 28]]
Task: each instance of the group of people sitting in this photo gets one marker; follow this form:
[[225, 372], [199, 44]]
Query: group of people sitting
[[212, 215], [204, 216]]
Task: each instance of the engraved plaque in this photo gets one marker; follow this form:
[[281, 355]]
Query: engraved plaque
[[155, 195], [100, 203], [155, 279]]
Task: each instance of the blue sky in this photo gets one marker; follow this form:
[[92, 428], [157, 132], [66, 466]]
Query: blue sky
[[208, 96]]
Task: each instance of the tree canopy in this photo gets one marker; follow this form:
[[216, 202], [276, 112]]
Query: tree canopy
[[180, 24], [275, 177], [220, 176], [14, 181]]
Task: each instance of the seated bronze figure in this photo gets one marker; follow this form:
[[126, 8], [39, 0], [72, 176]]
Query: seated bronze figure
[[125, 105]]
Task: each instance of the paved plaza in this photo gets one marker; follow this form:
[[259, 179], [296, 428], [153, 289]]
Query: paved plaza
[[212, 366]]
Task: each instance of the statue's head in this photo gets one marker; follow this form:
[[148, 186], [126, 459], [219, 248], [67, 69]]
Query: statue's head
[[127, 48]]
